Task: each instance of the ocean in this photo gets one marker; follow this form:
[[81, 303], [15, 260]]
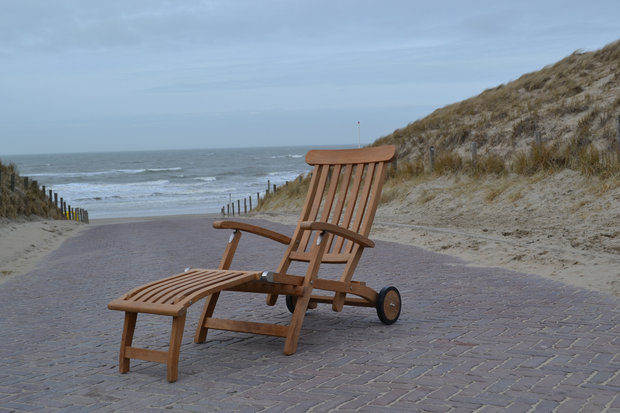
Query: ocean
[[156, 183]]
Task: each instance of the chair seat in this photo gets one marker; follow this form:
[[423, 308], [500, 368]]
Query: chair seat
[[172, 295]]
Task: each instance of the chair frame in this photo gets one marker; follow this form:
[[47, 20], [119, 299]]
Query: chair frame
[[343, 196]]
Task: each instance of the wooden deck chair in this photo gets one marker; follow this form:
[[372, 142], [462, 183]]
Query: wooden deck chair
[[336, 219]]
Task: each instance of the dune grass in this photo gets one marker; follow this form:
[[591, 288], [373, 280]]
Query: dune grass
[[26, 199]]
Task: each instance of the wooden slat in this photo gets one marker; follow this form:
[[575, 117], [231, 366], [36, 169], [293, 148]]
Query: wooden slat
[[146, 354], [168, 288], [138, 307], [342, 196], [209, 281], [155, 287], [316, 204], [247, 327], [331, 193], [350, 208], [361, 205], [198, 294], [350, 156], [356, 302], [374, 203]]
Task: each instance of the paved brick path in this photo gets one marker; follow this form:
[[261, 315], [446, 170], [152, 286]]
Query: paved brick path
[[469, 339]]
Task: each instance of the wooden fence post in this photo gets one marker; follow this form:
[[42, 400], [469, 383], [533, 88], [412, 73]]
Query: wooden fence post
[[227, 210], [432, 158], [25, 182], [245, 206], [538, 139], [239, 207], [268, 185], [56, 199], [51, 197], [274, 188], [250, 202], [257, 198], [233, 208]]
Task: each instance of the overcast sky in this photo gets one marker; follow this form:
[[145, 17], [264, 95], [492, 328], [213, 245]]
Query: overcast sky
[[80, 76]]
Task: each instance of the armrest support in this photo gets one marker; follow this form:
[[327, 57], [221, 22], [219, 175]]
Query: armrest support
[[338, 230], [254, 229]]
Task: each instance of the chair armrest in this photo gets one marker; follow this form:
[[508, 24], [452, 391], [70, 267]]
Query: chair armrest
[[254, 229], [338, 230]]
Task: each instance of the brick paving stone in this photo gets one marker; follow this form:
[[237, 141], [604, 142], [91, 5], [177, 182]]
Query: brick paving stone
[[469, 338]]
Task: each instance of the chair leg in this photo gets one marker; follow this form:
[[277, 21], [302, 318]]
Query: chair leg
[[176, 336], [127, 339], [207, 311], [294, 328]]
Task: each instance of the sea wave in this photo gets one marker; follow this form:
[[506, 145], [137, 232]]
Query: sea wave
[[290, 156], [98, 173]]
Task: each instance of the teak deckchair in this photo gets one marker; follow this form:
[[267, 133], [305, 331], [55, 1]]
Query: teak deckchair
[[333, 228]]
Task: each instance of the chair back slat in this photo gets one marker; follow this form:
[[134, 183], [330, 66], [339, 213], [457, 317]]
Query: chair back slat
[[351, 201]]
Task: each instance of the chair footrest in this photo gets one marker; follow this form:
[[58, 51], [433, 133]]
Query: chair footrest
[[172, 295], [247, 327]]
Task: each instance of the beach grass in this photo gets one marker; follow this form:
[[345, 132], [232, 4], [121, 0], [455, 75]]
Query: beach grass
[[25, 198]]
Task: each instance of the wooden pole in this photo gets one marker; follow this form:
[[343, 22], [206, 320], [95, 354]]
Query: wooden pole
[[227, 210], [233, 208], [239, 207], [432, 158], [274, 188], [56, 199], [245, 206], [538, 139], [51, 197], [268, 185], [25, 182], [250, 202]]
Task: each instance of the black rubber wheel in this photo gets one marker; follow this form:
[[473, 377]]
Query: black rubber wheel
[[388, 305], [290, 303]]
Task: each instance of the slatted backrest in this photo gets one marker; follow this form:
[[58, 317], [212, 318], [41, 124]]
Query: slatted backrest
[[345, 189]]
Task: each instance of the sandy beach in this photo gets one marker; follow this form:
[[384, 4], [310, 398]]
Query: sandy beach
[[24, 243], [564, 227]]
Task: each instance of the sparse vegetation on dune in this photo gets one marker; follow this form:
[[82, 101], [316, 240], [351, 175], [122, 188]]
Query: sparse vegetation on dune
[[573, 102], [24, 200]]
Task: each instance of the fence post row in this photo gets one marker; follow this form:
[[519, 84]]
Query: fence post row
[[65, 210], [229, 208]]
